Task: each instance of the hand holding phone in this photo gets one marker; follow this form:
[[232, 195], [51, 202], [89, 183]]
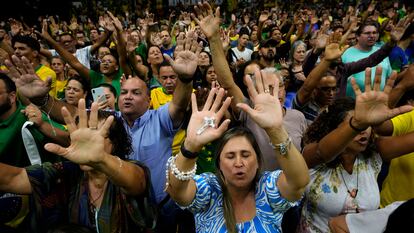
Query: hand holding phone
[[98, 94]]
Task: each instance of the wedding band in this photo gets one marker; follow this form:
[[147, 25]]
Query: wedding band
[[266, 91], [93, 128]]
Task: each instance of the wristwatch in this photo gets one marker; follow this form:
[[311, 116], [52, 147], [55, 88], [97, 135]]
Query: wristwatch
[[282, 147]]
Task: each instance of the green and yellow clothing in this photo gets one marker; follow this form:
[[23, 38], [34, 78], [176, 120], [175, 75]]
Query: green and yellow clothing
[[44, 73], [12, 150], [98, 78], [60, 88]]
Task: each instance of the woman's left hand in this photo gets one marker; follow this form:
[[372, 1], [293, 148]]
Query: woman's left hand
[[267, 111], [87, 140]]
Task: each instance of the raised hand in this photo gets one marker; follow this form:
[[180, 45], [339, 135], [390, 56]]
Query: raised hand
[[398, 31], [116, 22], [267, 111], [186, 56], [26, 79], [196, 140], [209, 22], [371, 106], [263, 16], [334, 51], [87, 139]]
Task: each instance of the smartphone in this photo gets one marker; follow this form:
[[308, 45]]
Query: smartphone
[[98, 94]]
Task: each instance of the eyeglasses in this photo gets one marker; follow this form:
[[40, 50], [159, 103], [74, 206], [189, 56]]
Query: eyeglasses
[[328, 89]]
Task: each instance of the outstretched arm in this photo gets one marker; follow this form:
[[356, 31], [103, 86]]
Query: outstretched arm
[[371, 108], [14, 179], [185, 65], [268, 114], [183, 191], [209, 24], [66, 55], [88, 139], [36, 90], [332, 52], [120, 45], [393, 147]]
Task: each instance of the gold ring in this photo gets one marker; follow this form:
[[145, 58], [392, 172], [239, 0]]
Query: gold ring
[[93, 128], [266, 91]]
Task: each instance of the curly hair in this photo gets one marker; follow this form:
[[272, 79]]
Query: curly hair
[[329, 120]]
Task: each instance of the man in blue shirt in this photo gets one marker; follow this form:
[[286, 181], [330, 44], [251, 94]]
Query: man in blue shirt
[[152, 131]]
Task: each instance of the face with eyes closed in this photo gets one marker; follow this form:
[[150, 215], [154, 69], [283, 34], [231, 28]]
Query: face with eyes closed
[[74, 92], [238, 163]]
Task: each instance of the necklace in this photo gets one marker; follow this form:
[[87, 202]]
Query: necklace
[[93, 201], [352, 204]]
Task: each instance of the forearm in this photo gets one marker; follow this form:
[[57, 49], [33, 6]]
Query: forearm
[[180, 102], [130, 177], [53, 107], [312, 81], [6, 47], [101, 41], [392, 147], [292, 163], [224, 77], [329, 147], [395, 95], [57, 135], [122, 52], [370, 61], [183, 192], [14, 180]]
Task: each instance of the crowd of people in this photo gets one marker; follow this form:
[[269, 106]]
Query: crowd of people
[[257, 120]]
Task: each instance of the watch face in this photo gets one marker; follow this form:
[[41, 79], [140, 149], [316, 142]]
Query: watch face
[[283, 149]]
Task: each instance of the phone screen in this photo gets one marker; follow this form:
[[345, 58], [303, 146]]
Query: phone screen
[[98, 94]]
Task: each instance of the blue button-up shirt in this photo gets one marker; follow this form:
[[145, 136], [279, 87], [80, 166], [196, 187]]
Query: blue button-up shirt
[[152, 135]]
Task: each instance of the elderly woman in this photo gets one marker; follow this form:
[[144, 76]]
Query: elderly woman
[[238, 198], [343, 163], [96, 188]]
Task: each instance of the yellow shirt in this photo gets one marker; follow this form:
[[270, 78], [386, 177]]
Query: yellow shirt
[[44, 73], [60, 88], [159, 98], [399, 183]]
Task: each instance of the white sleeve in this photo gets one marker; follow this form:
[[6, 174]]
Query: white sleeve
[[371, 221]]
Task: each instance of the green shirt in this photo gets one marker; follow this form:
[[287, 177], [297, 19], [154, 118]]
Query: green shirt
[[98, 78], [12, 150]]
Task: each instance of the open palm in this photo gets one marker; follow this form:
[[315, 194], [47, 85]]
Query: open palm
[[371, 106], [87, 145], [27, 81], [267, 111], [213, 108], [209, 23]]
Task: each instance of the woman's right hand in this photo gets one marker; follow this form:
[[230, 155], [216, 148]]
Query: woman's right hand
[[371, 106], [213, 108]]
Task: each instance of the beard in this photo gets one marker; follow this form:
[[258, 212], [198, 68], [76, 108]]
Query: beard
[[5, 107], [269, 56]]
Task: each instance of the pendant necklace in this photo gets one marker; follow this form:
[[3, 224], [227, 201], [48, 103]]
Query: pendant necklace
[[354, 192]]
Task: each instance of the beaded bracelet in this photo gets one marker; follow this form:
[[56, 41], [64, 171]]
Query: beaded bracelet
[[180, 175]]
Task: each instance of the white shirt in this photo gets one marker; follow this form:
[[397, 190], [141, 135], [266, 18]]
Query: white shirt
[[83, 55]]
